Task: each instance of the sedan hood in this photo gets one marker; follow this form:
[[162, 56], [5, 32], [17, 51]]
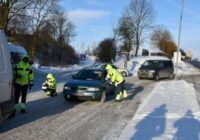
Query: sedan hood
[[84, 83]]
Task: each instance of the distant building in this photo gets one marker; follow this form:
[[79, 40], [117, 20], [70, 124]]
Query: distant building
[[145, 52], [189, 53]]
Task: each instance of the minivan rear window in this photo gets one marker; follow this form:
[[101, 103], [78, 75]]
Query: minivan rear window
[[168, 64], [149, 63], [2, 64]]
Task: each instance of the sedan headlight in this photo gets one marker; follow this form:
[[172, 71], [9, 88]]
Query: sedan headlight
[[66, 88], [152, 71], [93, 89]]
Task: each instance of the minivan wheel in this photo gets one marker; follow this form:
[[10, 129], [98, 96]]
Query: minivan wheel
[[171, 76], [156, 77], [103, 97], [140, 78], [124, 74]]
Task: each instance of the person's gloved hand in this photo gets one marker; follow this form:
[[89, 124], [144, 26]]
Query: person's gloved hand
[[30, 85], [110, 82], [18, 75]]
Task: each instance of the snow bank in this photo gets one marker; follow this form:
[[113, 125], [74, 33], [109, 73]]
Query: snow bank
[[186, 69], [167, 114], [83, 63]]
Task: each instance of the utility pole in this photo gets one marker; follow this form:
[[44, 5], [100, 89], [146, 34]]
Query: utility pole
[[179, 38]]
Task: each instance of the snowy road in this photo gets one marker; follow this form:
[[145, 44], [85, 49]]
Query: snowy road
[[194, 79], [56, 118]]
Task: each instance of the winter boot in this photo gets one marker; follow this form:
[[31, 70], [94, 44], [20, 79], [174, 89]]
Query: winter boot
[[53, 94], [17, 107], [125, 95], [23, 108], [118, 97], [48, 93]]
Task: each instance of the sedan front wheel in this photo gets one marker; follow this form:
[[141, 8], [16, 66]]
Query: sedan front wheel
[[103, 97], [124, 74]]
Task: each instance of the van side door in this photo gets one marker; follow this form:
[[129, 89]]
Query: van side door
[[162, 69], [169, 68], [5, 76]]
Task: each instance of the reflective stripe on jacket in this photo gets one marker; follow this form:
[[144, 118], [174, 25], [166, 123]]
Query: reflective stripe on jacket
[[23, 73]]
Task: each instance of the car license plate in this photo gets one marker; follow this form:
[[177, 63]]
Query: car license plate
[[88, 94]]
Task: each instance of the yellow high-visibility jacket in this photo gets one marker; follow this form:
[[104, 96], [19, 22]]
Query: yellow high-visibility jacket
[[115, 76], [23, 73], [51, 81]]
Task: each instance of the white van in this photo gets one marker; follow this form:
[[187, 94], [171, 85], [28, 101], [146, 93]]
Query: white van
[[6, 80]]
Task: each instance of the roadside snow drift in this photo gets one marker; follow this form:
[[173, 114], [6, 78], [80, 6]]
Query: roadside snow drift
[[83, 63], [171, 111]]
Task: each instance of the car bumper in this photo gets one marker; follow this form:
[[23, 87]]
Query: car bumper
[[84, 95]]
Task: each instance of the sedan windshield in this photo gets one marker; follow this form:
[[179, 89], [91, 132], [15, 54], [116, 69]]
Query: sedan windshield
[[89, 75]]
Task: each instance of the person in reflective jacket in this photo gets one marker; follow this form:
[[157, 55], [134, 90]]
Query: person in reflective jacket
[[118, 80], [23, 79], [49, 86]]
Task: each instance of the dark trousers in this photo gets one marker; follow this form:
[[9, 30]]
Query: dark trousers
[[20, 91], [120, 88], [52, 91]]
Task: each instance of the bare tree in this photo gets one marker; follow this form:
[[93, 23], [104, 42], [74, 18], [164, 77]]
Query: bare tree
[[142, 15], [13, 9], [162, 39], [41, 12], [159, 36], [65, 30], [126, 33]]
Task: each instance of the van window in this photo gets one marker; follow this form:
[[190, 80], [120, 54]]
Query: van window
[[15, 57], [2, 64], [168, 64], [161, 64], [149, 63]]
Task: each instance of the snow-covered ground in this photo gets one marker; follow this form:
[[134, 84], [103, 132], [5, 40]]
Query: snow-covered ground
[[83, 63], [167, 114], [186, 69]]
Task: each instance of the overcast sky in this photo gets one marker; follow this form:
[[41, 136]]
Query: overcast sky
[[94, 20]]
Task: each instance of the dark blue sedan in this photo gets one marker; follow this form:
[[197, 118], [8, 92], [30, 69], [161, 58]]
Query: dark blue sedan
[[88, 84]]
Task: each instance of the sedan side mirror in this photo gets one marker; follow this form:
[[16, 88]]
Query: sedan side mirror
[[74, 76]]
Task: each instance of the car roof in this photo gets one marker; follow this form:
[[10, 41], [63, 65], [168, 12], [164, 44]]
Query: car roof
[[94, 68], [158, 60]]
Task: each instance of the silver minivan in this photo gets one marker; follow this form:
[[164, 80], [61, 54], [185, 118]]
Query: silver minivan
[[156, 69], [6, 79]]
